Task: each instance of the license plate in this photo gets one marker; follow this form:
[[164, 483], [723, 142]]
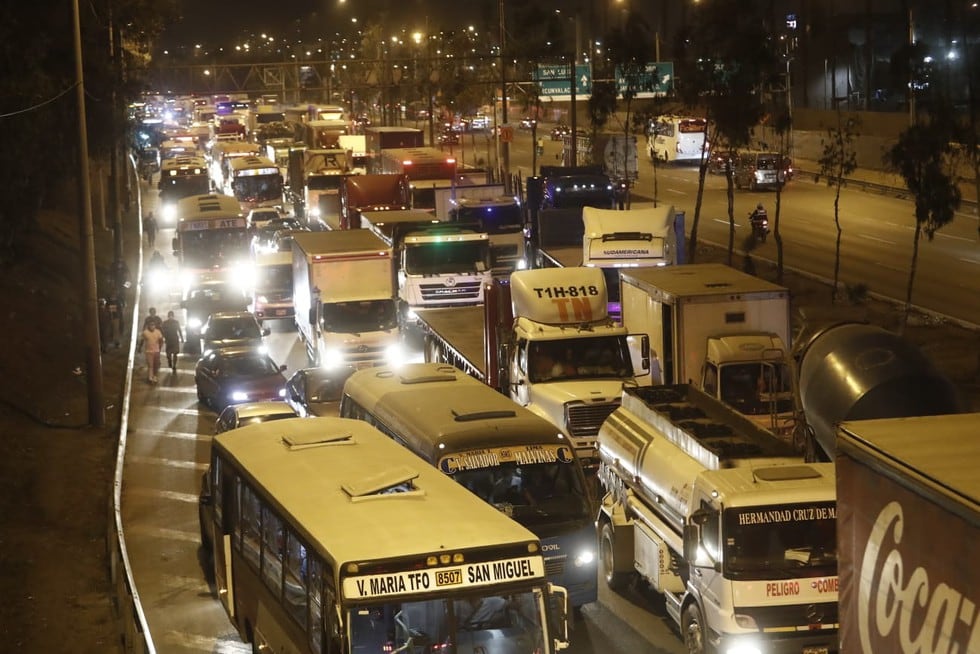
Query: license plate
[[815, 650], [280, 312]]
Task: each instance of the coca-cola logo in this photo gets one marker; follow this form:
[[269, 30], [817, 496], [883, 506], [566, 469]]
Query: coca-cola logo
[[929, 614]]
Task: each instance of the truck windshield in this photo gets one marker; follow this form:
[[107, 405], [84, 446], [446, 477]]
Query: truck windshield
[[756, 388], [579, 358], [785, 541], [496, 219], [356, 317], [447, 257], [536, 495], [273, 278]]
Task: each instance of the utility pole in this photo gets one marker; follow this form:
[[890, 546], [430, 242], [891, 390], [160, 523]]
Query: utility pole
[[505, 146], [90, 311]]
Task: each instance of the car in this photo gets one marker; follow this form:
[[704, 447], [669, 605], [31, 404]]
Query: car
[[527, 122], [239, 415], [718, 159], [263, 238], [448, 137], [282, 240], [201, 300], [760, 170], [559, 131], [262, 216], [232, 328], [316, 392], [235, 375]]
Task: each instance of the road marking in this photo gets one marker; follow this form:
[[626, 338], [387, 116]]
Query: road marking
[[173, 463], [953, 237], [165, 534], [875, 238], [183, 412], [144, 491], [889, 267], [719, 220], [975, 263], [677, 191], [166, 433], [221, 645]]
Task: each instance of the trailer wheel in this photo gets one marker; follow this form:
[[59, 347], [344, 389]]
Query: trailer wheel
[[692, 630], [617, 581]]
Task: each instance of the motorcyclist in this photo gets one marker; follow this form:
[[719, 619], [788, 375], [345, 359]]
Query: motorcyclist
[[760, 222]]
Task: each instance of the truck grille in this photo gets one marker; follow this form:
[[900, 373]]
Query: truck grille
[[462, 290], [554, 566], [363, 354], [584, 419]]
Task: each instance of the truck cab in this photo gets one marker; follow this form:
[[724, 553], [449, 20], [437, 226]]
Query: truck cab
[[502, 218]]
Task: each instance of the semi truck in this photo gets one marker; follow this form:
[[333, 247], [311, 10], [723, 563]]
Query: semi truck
[[502, 218], [721, 518], [272, 287], [856, 371], [344, 297], [437, 264], [544, 338], [720, 329], [907, 532], [368, 193]]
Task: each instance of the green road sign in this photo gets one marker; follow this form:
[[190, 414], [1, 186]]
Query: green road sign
[[657, 79], [554, 80]]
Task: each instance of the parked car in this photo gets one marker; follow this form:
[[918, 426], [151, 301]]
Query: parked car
[[235, 375], [316, 392], [232, 328], [203, 299], [239, 415]]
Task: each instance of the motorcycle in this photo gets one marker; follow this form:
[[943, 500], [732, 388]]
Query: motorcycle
[[760, 227]]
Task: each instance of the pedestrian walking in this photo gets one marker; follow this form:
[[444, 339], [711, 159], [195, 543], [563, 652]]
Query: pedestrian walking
[[150, 227], [152, 317], [115, 318], [151, 343], [174, 336]]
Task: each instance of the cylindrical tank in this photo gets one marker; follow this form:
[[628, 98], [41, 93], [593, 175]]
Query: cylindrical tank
[[856, 371]]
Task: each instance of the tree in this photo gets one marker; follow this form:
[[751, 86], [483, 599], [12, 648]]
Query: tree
[[726, 57], [921, 156], [839, 159]]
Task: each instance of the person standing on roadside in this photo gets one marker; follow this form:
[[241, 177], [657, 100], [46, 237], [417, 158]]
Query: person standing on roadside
[[151, 344], [174, 336], [150, 227]]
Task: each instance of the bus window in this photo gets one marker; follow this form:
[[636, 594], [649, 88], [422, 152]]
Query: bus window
[[250, 525], [295, 578]]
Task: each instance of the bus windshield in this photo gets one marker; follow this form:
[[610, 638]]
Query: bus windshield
[[213, 247], [447, 258], [467, 623], [539, 495], [258, 188]]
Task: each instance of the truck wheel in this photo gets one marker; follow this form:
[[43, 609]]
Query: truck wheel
[[692, 630], [617, 581]]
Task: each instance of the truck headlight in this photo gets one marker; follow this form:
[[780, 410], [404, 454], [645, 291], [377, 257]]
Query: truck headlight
[[584, 558], [194, 323], [332, 358], [395, 355], [743, 646], [745, 621], [315, 211], [239, 396], [170, 213]]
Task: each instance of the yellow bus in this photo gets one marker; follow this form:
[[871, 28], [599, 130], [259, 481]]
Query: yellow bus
[[328, 538], [511, 458]]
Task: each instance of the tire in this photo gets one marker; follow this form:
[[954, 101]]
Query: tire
[[692, 630], [617, 581]]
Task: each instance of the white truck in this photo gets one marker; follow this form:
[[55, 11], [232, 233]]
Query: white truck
[[908, 534], [344, 299], [545, 340], [437, 264], [721, 518], [272, 287], [722, 330]]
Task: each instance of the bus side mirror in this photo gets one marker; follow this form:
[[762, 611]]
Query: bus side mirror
[[558, 615]]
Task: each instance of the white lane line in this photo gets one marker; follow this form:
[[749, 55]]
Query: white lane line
[[173, 463], [889, 267], [143, 491], [179, 411], [676, 191], [169, 433], [953, 237], [223, 645], [975, 263], [165, 534], [875, 238]]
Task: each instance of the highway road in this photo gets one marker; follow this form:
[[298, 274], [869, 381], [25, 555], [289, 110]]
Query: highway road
[[169, 434]]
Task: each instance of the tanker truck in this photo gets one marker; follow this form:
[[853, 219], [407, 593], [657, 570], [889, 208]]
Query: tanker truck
[[857, 371], [721, 518]]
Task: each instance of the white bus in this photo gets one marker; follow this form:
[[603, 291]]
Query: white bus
[[677, 138], [224, 151], [328, 538], [514, 460], [211, 240], [181, 177], [255, 181]]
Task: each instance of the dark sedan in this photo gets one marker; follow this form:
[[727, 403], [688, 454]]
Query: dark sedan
[[235, 375], [232, 329], [316, 392], [200, 301]]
